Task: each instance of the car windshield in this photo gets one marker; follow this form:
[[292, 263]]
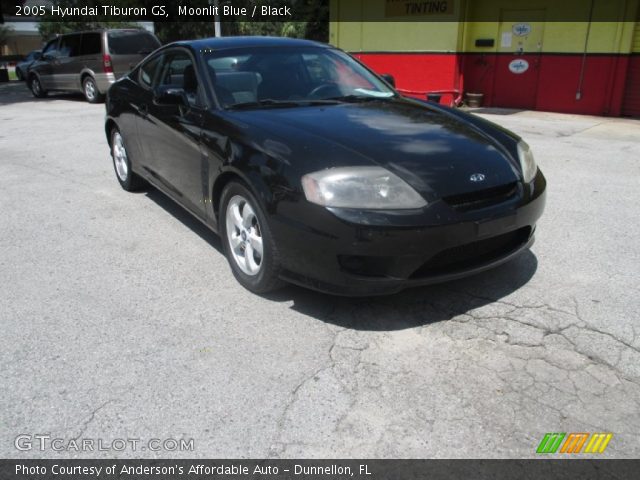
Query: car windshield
[[269, 77]]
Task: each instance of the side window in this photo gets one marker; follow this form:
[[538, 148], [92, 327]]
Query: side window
[[178, 70], [148, 71], [91, 44], [131, 42], [173, 69], [52, 48], [70, 45]]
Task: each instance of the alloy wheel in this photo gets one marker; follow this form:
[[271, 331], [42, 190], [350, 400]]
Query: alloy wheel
[[90, 89], [244, 235], [36, 87], [120, 157]]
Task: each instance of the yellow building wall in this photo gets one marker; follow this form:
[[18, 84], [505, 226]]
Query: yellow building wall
[[381, 33], [635, 39], [457, 32], [396, 36]]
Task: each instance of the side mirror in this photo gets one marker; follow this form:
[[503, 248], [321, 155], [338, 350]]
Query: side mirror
[[387, 77], [46, 57], [168, 95]]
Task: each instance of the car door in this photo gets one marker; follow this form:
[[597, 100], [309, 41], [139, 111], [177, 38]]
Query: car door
[[139, 100], [67, 69], [90, 59], [44, 66], [172, 133]]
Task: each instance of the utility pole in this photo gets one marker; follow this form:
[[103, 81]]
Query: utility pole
[[217, 28]]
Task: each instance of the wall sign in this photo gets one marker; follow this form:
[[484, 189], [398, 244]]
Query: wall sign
[[402, 8], [521, 29], [518, 66], [505, 41]]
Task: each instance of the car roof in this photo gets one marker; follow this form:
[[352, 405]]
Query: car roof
[[243, 42]]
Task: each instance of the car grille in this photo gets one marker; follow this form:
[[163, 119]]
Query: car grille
[[482, 198], [465, 257]]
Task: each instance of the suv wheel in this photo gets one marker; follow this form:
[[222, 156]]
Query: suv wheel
[[129, 180], [248, 243], [90, 90], [36, 87]]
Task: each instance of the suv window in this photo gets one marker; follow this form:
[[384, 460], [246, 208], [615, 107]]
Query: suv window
[[52, 48], [91, 44], [148, 71], [131, 42], [35, 55], [70, 45]]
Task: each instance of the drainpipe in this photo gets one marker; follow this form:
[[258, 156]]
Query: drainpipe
[[584, 53]]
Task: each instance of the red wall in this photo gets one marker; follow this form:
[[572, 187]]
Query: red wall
[[557, 83], [631, 100], [417, 74], [557, 79]]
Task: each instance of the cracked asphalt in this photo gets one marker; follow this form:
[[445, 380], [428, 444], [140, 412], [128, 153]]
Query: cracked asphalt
[[120, 318]]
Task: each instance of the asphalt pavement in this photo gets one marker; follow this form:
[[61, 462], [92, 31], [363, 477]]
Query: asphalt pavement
[[120, 318]]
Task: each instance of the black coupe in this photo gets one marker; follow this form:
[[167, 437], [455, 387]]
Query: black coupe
[[315, 171]]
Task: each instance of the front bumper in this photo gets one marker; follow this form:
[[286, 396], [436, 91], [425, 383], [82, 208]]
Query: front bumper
[[356, 253]]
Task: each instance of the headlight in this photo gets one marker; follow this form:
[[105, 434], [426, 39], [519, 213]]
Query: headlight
[[527, 162], [372, 188]]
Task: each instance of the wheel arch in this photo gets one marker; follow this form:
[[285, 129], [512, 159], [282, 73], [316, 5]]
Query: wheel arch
[[32, 74], [84, 74], [253, 182], [220, 182], [109, 125]]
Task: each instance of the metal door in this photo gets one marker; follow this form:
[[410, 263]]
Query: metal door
[[518, 63]]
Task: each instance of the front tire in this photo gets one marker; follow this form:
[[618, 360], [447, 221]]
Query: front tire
[[128, 180], [90, 90], [36, 87], [247, 240]]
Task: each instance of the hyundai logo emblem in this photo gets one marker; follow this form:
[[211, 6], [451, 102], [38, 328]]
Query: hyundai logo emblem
[[477, 177]]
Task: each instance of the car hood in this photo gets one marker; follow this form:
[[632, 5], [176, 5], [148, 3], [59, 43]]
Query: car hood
[[435, 152]]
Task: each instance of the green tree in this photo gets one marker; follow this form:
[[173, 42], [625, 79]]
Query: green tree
[[174, 31], [312, 20], [5, 33], [185, 30], [50, 26]]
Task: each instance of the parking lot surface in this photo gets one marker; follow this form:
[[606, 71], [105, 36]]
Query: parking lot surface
[[120, 318]]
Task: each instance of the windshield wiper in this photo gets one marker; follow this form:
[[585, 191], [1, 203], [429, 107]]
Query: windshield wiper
[[270, 103]]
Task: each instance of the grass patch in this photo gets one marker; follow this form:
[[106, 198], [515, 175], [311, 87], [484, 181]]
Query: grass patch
[[12, 75]]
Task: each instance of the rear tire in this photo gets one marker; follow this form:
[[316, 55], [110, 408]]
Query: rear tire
[[90, 90], [36, 87], [128, 180], [247, 240]]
